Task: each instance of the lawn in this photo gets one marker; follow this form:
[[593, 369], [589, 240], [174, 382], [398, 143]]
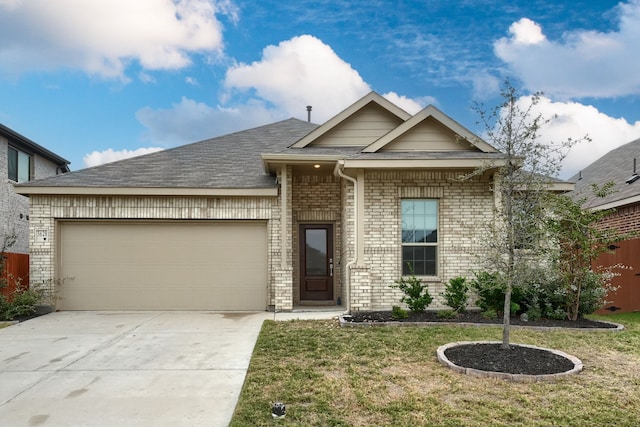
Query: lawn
[[332, 376]]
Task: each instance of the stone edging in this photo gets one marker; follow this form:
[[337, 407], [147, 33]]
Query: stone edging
[[344, 323], [577, 364]]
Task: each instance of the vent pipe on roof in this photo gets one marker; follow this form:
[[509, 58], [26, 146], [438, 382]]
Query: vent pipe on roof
[[635, 176], [309, 113]]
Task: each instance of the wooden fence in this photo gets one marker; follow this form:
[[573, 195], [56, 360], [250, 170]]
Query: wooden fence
[[627, 297], [16, 272]]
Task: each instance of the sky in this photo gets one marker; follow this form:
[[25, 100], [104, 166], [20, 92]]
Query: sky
[[101, 80]]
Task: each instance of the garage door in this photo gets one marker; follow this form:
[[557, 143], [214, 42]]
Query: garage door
[[163, 265]]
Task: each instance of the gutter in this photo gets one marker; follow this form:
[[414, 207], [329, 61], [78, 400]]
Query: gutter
[[338, 170]]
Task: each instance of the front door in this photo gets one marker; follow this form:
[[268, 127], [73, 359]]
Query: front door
[[316, 262]]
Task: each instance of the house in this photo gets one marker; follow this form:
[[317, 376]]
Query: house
[[21, 160], [620, 167], [278, 216]]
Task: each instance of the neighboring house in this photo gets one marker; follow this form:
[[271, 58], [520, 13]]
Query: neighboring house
[[21, 161], [621, 167], [273, 217]]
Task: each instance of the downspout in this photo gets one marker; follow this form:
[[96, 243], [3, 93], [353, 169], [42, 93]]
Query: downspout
[[352, 262]]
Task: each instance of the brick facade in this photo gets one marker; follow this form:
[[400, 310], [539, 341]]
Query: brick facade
[[14, 208], [625, 219], [316, 200], [47, 210], [309, 199], [463, 205]]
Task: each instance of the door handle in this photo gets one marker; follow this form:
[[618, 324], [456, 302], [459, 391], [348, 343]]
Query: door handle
[[331, 267]]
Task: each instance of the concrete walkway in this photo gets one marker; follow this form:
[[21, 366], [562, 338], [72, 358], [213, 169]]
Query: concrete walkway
[[128, 368]]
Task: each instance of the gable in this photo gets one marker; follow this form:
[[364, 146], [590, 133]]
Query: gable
[[429, 135], [436, 123], [360, 129]]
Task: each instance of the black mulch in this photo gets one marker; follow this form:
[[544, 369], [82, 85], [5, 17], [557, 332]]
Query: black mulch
[[516, 360], [473, 317]]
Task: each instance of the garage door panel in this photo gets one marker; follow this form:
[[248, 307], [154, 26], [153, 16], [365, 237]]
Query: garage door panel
[[153, 265]]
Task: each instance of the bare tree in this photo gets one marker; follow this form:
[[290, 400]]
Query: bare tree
[[521, 182]]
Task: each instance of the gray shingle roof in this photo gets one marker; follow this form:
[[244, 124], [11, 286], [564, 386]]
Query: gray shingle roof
[[228, 161], [23, 143], [615, 166]]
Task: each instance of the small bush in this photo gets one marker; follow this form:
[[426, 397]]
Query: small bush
[[534, 313], [447, 314], [491, 289], [416, 294], [397, 313], [23, 303], [490, 314], [455, 294]]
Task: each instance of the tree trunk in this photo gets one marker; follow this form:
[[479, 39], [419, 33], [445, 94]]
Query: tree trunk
[[506, 328]]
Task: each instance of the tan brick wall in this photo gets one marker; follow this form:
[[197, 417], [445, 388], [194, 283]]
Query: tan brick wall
[[311, 199], [46, 211], [463, 206], [316, 200]]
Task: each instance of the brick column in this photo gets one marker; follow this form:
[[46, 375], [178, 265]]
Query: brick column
[[360, 281]]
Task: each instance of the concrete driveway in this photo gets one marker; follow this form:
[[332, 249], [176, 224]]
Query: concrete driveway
[[125, 368]]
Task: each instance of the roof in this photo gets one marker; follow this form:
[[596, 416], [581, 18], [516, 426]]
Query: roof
[[372, 133], [616, 166], [226, 162], [24, 143]]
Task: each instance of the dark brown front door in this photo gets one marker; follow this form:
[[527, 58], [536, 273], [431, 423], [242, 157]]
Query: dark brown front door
[[316, 262]]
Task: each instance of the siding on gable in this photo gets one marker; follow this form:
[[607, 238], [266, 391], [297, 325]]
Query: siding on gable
[[428, 136], [361, 129]]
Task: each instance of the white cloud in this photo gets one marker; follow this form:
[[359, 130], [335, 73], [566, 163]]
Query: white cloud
[[575, 120], [525, 31], [296, 73], [581, 64], [189, 120], [101, 37], [299, 72], [411, 106], [96, 158]]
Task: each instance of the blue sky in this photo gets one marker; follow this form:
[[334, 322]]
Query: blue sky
[[99, 80]]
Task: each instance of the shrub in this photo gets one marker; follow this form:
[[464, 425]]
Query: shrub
[[416, 294], [490, 314], [23, 303], [491, 289], [455, 294], [447, 314], [397, 313]]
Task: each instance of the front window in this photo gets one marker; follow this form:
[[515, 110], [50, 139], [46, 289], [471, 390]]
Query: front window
[[419, 237], [19, 165]]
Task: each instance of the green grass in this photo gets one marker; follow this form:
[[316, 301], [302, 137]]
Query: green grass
[[332, 376]]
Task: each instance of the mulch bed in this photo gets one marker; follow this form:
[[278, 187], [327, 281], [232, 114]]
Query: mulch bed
[[473, 317], [489, 356], [515, 360]]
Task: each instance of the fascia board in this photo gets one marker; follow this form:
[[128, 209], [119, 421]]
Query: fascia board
[[423, 163], [144, 191], [616, 203]]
